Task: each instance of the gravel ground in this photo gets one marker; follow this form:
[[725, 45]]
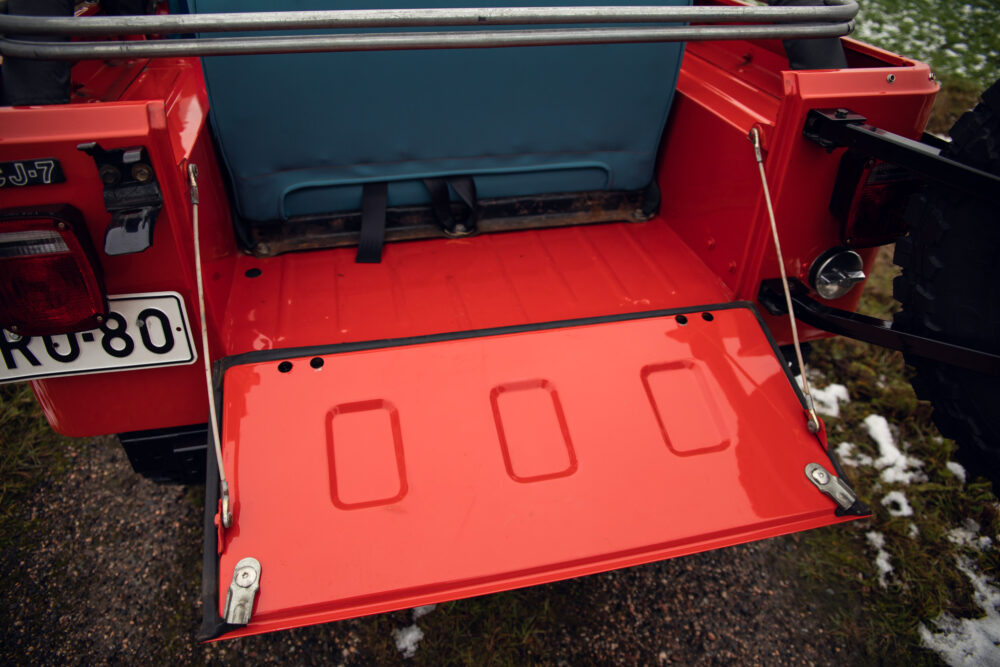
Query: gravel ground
[[108, 569]]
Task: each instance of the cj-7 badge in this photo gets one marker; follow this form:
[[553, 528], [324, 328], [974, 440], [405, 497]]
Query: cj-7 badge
[[43, 171]]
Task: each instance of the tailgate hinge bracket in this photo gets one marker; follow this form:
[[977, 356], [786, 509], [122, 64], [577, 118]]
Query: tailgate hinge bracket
[[842, 494], [132, 196], [242, 591]]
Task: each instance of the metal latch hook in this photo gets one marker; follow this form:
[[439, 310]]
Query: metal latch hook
[[242, 591]]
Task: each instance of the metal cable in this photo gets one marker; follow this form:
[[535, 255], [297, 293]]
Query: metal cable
[[811, 406], [227, 515]]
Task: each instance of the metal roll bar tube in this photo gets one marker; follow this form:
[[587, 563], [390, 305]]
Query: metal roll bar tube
[[835, 11], [484, 39], [832, 20]]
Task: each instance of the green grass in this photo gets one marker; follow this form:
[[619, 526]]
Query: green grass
[[29, 453], [959, 40], [512, 628], [885, 621]]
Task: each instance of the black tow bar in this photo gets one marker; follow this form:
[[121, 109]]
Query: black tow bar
[[871, 329], [835, 128]]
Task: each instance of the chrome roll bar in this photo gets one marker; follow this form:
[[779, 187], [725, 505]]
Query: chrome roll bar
[[834, 19]]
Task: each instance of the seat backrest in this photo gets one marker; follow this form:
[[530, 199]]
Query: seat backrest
[[300, 133]]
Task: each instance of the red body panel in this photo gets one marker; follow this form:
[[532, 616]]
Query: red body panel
[[711, 198], [711, 188], [446, 469], [163, 107], [651, 438]]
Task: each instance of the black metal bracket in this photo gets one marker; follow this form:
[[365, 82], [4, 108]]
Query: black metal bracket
[[836, 128], [131, 195], [871, 329]]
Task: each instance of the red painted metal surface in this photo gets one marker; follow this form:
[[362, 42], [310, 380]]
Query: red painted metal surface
[[432, 471], [437, 286], [712, 201], [438, 470], [161, 105], [711, 189]]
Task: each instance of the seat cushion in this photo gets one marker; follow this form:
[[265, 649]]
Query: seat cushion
[[300, 133]]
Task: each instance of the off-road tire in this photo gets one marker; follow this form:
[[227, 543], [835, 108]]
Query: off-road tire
[[949, 288]]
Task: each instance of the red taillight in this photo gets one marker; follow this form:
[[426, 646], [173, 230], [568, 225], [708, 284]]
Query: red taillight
[[870, 199], [50, 281]]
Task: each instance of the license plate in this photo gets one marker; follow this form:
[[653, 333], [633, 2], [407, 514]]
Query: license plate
[[142, 330]]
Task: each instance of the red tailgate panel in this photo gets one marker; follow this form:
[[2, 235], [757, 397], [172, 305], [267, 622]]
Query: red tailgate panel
[[403, 475]]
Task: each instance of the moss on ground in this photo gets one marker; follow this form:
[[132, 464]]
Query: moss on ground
[[925, 581], [30, 452]]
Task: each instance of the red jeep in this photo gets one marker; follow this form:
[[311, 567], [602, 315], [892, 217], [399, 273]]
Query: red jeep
[[446, 301]]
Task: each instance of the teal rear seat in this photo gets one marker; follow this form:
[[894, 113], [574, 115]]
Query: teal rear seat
[[301, 133]]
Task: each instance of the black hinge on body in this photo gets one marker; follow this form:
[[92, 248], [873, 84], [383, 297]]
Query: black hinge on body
[[131, 195]]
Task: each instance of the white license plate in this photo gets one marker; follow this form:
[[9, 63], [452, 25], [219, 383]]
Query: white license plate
[[143, 330]]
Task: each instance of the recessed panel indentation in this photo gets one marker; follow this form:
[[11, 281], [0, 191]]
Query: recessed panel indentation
[[531, 426], [684, 403], [365, 454]]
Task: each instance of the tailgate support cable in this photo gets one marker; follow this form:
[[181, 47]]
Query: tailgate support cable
[[227, 515], [814, 425], [837, 488]]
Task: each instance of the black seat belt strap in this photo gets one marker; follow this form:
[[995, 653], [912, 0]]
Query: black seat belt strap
[[373, 204], [465, 188], [440, 202]]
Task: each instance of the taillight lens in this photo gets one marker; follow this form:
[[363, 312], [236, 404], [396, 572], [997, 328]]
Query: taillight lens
[[870, 199], [50, 280]]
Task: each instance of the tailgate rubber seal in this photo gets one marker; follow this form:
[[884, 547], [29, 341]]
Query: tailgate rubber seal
[[285, 353]]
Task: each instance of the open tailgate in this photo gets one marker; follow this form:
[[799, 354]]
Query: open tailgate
[[368, 477]]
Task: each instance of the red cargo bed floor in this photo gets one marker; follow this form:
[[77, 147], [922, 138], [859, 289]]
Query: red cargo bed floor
[[444, 285]]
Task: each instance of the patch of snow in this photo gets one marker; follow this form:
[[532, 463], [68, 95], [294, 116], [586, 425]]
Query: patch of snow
[[896, 467], [897, 504], [957, 470], [914, 531], [407, 639], [845, 452], [968, 641], [878, 429], [968, 535], [828, 399], [877, 541], [419, 612]]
